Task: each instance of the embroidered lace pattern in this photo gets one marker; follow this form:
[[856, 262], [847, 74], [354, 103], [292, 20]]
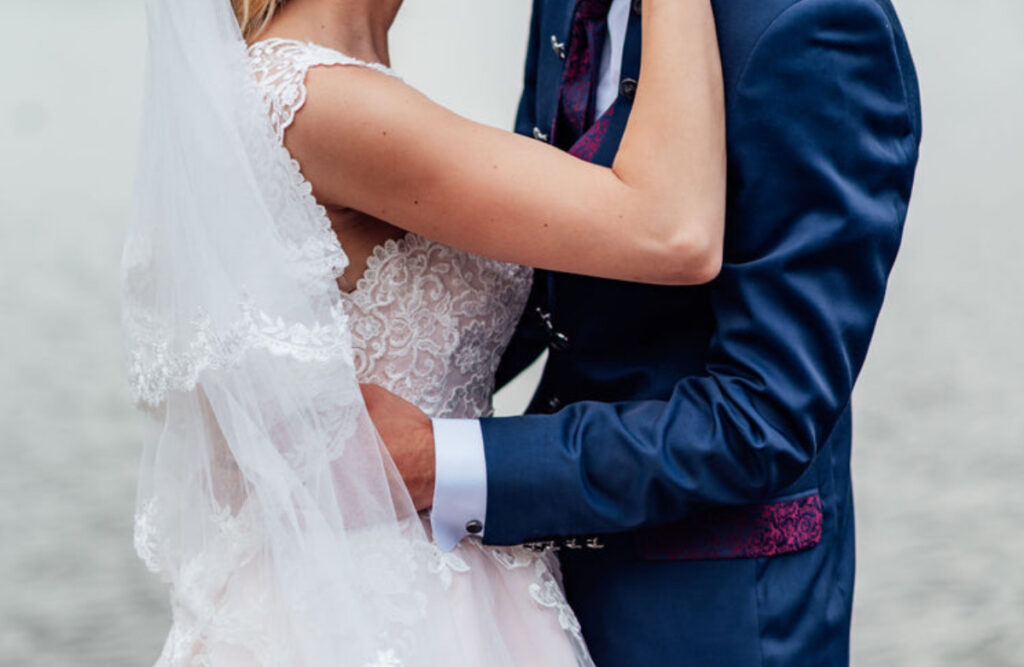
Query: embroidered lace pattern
[[430, 323]]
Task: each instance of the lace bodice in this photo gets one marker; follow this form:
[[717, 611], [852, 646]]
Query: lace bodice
[[429, 322]]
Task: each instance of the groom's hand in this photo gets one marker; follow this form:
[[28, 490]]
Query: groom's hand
[[409, 436]]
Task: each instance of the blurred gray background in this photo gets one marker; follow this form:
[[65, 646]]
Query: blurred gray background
[[939, 459]]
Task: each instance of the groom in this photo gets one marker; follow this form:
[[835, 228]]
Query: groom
[[688, 450]]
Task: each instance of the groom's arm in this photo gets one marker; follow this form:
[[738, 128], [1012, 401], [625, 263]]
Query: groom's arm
[[824, 143]]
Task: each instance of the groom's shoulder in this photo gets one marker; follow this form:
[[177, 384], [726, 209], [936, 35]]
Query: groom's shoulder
[[761, 14], [754, 18], [745, 25], [840, 13]]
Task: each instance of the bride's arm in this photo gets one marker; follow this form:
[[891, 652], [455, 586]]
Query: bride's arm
[[368, 142]]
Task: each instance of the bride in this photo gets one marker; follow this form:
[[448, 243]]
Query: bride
[[303, 221]]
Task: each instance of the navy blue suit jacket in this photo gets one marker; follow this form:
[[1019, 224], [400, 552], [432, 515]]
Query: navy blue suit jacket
[[671, 402]]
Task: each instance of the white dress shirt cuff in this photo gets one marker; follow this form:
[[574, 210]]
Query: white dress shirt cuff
[[460, 485]]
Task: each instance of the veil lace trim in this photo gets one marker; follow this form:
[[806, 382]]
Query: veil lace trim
[[157, 366]]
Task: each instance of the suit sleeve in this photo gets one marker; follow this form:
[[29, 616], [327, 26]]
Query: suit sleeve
[[823, 138]]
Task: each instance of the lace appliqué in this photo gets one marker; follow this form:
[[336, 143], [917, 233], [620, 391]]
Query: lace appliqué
[[445, 564], [548, 592], [281, 65], [430, 323], [156, 368]]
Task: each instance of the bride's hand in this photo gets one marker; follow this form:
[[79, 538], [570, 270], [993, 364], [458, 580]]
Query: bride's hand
[[408, 434]]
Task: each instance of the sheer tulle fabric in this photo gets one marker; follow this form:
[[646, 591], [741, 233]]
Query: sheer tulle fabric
[[266, 500]]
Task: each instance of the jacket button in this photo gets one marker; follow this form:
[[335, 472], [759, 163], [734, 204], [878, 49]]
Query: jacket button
[[558, 47], [554, 403], [559, 342], [628, 89], [474, 527], [539, 136], [635, 6]]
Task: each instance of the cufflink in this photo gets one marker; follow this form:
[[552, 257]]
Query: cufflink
[[539, 135], [474, 527]]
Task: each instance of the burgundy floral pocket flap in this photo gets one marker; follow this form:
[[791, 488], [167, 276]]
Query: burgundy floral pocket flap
[[748, 531]]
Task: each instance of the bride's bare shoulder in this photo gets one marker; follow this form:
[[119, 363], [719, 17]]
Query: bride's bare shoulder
[[359, 124], [356, 100]]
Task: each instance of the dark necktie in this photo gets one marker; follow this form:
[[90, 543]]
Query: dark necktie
[[579, 80]]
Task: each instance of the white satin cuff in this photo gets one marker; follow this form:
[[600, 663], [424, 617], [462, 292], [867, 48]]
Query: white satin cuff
[[460, 486]]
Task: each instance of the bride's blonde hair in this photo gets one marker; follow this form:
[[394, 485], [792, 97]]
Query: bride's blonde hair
[[254, 15]]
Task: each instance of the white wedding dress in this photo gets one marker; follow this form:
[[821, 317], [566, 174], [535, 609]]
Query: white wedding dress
[[429, 323]]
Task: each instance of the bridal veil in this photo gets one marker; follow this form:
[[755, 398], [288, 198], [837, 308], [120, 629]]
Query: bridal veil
[[266, 500]]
